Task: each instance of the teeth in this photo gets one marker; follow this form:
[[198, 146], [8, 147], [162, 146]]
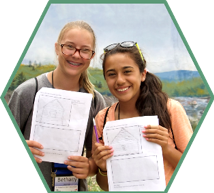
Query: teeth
[[75, 64], [120, 90]]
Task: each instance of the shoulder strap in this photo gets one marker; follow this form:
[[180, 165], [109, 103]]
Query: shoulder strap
[[95, 102], [174, 139], [105, 117], [107, 114], [36, 90], [104, 122]]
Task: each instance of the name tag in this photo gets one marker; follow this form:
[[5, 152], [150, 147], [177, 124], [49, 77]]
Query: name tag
[[66, 183]]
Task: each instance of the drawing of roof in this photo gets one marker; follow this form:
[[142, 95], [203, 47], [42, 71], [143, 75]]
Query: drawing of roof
[[55, 104], [52, 112], [123, 135]]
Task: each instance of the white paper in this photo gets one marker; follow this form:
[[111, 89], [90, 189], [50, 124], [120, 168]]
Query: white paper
[[136, 164], [59, 122]]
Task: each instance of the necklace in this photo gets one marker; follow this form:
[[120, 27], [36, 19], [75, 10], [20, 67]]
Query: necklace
[[118, 114]]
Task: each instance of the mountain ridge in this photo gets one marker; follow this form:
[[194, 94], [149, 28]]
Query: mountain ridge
[[177, 76]]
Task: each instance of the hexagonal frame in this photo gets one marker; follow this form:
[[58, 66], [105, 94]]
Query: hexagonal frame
[[107, 2]]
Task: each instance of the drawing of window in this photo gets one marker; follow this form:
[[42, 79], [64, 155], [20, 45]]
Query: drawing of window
[[52, 113], [125, 142]]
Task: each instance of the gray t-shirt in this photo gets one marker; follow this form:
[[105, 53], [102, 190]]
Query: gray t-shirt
[[21, 103]]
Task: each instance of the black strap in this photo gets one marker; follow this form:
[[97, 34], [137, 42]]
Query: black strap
[[105, 120], [36, 90]]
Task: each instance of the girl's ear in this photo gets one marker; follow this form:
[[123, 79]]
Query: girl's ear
[[57, 48], [143, 77]]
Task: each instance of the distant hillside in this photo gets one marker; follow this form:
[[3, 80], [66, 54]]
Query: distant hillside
[[175, 83], [177, 76]]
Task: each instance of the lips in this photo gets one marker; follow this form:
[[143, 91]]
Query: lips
[[122, 89], [74, 63]]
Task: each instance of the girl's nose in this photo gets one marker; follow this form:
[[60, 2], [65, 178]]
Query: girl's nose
[[120, 79]]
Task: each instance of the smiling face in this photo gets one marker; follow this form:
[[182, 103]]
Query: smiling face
[[123, 77], [79, 38]]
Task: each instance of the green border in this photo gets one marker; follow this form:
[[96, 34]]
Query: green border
[[108, 2]]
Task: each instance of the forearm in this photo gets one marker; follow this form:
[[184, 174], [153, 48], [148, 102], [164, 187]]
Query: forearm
[[102, 181], [172, 155]]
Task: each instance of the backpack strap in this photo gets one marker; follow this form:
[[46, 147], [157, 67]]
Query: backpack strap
[[36, 90], [105, 120], [95, 102]]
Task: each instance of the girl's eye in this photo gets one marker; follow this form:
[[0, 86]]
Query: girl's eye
[[85, 50], [70, 47], [110, 74], [127, 71]]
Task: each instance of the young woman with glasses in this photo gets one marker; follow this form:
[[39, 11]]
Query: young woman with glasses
[[74, 49], [139, 94]]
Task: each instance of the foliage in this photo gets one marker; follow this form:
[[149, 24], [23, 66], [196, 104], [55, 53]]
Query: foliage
[[26, 72], [193, 87], [190, 88]]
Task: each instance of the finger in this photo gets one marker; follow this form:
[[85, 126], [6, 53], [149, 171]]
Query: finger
[[78, 158], [102, 149], [102, 154], [156, 136], [154, 131], [77, 164], [36, 144], [36, 151], [157, 141], [38, 160], [107, 156], [159, 127], [80, 176]]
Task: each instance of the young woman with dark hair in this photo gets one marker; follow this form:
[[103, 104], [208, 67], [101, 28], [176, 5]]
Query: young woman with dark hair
[[139, 93]]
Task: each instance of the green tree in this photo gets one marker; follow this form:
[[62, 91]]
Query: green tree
[[99, 85], [20, 78], [13, 85]]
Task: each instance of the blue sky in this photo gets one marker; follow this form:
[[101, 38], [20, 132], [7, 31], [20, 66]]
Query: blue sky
[[148, 24]]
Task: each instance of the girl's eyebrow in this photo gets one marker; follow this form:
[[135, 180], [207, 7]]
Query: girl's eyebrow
[[127, 67], [112, 70], [68, 42]]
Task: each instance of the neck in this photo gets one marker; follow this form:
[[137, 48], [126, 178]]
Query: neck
[[63, 81], [126, 110]]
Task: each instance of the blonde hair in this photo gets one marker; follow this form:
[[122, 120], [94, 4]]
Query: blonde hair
[[84, 80]]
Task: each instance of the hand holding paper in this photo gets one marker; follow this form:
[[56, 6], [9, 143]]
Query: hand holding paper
[[137, 165], [59, 123], [35, 149], [101, 154], [157, 134]]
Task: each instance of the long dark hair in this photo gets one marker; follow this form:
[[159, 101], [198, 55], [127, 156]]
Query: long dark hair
[[152, 100]]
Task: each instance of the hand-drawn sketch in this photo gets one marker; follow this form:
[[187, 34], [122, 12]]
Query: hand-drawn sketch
[[70, 137], [136, 165], [148, 169], [123, 141], [54, 110], [59, 122]]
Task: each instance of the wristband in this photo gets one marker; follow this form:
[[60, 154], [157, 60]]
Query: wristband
[[100, 171]]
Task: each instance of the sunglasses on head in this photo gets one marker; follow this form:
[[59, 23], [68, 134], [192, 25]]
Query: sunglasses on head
[[126, 44]]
